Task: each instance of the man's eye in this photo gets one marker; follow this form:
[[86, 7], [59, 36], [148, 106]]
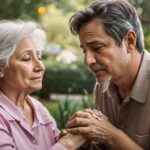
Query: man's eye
[[97, 49]]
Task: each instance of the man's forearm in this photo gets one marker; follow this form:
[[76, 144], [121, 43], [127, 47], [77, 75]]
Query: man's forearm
[[122, 142]]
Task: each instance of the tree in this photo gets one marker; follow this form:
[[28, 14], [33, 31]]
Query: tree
[[27, 9], [21, 9]]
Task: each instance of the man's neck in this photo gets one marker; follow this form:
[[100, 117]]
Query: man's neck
[[125, 84]]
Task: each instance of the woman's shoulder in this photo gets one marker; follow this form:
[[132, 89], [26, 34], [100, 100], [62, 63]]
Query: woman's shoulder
[[35, 101], [37, 105], [5, 115]]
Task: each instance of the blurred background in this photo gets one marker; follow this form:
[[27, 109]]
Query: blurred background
[[67, 83]]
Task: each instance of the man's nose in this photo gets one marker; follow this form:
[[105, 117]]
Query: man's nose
[[89, 58]]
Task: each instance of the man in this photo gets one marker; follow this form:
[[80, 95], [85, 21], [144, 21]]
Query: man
[[111, 37]]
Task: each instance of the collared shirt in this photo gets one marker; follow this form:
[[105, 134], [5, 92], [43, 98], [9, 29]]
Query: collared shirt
[[133, 114], [15, 132]]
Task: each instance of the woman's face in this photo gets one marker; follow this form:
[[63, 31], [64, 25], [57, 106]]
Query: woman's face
[[25, 70]]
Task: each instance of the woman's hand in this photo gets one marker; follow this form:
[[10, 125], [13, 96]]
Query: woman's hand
[[72, 141], [92, 124]]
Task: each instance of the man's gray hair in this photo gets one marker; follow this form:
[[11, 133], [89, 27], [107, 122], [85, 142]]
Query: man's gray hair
[[12, 32], [118, 17]]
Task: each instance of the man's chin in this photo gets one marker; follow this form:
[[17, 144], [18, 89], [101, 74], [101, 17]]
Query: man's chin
[[103, 79]]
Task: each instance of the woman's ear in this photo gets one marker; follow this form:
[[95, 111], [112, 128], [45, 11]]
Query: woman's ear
[[130, 39], [1, 73]]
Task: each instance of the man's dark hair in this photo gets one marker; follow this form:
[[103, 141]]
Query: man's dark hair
[[118, 17]]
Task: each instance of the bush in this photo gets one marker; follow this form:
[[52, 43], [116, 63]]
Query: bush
[[66, 79], [62, 110]]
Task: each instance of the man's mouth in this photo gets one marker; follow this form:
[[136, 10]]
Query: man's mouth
[[96, 68]]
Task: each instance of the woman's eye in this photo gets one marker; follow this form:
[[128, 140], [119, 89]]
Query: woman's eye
[[26, 59]]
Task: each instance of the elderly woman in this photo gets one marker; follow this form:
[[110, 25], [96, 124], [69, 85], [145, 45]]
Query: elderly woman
[[24, 122]]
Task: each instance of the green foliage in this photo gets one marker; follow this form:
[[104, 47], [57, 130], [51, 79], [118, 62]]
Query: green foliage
[[147, 42], [51, 106], [87, 103], [142, 7], [21, 9], [57, 29], [68, 107], [146, 28], [71, 5], [27, 9], [62, 110], [64, 78]]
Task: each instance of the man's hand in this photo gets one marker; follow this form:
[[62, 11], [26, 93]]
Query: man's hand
[[92, 124]]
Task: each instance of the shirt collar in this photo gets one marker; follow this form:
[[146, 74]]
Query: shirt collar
[[12, 109], [14, 113], [9, 107], [141, 86], [41, 113]]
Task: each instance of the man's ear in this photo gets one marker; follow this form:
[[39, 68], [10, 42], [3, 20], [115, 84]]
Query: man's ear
[[1, 72], [130, 39]]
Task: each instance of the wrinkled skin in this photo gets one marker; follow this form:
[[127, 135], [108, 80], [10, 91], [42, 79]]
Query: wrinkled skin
[[97, 129]]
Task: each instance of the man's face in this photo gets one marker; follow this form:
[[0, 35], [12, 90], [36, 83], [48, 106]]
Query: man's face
[[103, 56], [25, 70]]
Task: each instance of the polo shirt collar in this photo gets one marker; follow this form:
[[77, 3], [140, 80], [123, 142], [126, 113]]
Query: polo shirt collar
[[141, 86], [12, 109], [41, 113], [9, 107]]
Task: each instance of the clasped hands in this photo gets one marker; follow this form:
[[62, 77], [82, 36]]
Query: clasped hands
[[90, 125]]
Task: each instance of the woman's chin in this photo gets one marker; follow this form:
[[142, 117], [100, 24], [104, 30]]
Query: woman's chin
[[36, 88]]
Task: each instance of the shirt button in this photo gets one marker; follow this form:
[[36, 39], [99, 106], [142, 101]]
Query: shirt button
[[34, 141]]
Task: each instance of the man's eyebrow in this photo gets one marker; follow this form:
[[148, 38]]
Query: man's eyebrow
[[94, 42]]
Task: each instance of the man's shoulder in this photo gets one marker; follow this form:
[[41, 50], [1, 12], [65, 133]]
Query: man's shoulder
[[146, 54]]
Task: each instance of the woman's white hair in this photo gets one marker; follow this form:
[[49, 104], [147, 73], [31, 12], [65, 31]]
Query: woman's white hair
[[12, 32]]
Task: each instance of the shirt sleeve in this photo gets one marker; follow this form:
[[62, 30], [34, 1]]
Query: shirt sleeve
[[6, 141]]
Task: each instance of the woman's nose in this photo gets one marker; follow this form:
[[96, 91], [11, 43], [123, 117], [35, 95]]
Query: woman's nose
[[39, 66]]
